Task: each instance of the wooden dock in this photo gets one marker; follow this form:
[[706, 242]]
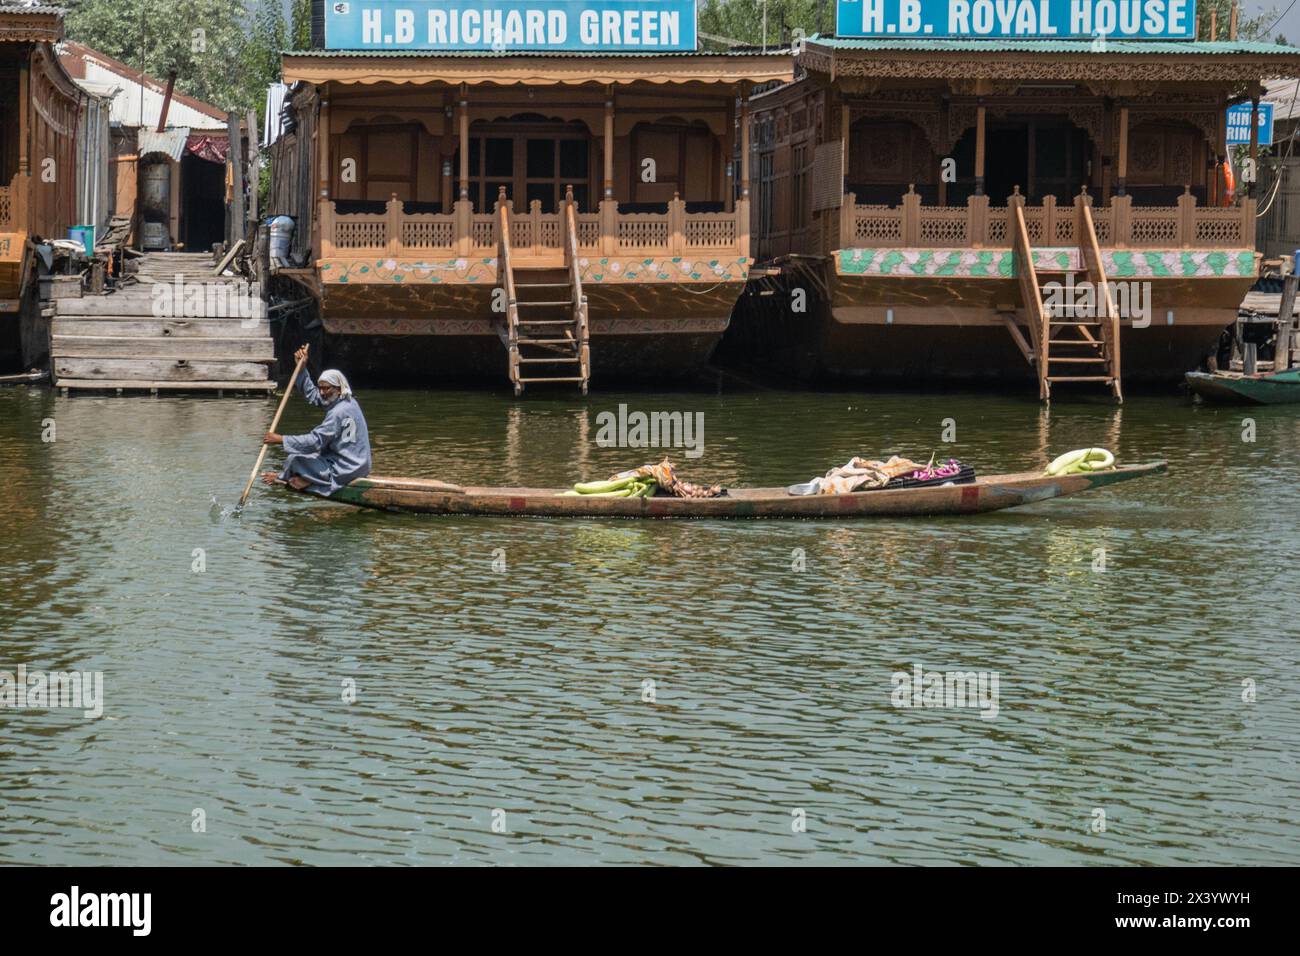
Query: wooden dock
[[176, 328]]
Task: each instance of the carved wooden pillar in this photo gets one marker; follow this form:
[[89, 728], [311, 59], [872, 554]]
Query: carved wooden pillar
[[980, 112], [1121, 173], [1254, 139], [464, 142], [609, 142]]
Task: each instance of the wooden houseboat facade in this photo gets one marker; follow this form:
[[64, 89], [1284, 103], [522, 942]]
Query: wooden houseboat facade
[[914, 199], [40, 108], [545, 216]]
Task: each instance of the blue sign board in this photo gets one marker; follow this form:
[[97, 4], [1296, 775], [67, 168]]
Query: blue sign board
[[1239, 124], [511, 25], [1018, 19]]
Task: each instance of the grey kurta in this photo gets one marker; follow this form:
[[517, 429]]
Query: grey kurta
[[335, 451]]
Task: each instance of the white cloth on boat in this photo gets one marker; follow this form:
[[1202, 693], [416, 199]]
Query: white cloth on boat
[[337, 450], [855, 475]]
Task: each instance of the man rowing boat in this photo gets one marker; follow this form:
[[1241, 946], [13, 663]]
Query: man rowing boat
[[334, 452]]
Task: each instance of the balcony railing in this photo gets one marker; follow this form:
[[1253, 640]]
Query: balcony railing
[[11, 204], [1119, 224], [535, 235]]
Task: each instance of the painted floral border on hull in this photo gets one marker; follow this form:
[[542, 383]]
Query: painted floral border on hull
[[1000, 263], [483, 271]]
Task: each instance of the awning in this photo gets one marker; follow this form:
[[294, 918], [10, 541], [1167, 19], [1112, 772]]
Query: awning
[[559, 69], [214, 149], [170, 142]]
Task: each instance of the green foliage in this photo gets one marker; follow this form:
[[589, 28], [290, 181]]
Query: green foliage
[[300, 25], [1248, 28], [742, 20], [225, 51]]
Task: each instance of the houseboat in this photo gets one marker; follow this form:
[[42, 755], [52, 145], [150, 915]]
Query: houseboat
[[925, 193], [539, 192], [40, 109]]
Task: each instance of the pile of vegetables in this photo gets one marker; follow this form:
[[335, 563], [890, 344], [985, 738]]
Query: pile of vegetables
[[1081, 461], [931, 471], [632, 486]]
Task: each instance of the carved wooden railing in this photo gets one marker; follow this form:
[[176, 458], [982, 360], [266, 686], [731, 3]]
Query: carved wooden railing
[[910, 224], [579, 298], [1109, 315], [1039, 327], [11, 215], [533, 233]]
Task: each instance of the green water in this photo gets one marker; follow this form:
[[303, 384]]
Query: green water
[[522, 690]]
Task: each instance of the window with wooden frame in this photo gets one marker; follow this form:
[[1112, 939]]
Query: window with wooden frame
[[533, 160]]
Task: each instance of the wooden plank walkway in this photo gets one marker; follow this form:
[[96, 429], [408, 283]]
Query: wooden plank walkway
[[177, 328]]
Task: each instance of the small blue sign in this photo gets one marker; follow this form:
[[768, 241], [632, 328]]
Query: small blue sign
[[1239, 124], [615, 26], [1097, 20]]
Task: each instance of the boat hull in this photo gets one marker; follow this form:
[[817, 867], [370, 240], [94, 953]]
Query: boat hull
[[419, 496], [1280, 389]]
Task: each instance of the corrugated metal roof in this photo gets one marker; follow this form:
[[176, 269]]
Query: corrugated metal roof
[[1125, 47], [1285, 97], [34, 8]]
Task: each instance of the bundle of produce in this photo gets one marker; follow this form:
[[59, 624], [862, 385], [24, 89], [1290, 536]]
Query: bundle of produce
[[645, 482], [632, 486], [952, 472], [1081, 461]]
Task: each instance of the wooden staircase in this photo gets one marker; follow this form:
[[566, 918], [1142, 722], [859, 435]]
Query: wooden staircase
[[176, 328], [1063, 346], [545, 328]]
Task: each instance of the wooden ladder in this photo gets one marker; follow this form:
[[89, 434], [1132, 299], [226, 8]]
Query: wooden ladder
[[546, 316], [1064, 347]]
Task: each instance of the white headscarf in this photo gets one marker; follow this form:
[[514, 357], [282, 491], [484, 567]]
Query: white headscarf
[[334, 377]]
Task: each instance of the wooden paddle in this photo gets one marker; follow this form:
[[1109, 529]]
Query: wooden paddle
[[261, 455]]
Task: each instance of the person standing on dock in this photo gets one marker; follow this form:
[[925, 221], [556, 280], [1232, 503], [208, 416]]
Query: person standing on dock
[[334, 452]]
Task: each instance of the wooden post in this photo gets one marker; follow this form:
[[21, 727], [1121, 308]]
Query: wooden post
[[676, 225], [945, 119], [980, 112], [848, 221], [608, 143], [608, 206], [464, 144], [1254, 137], [235, 215], [728, 151], [911, 216], [744, 145], [1285, 322], [393, 225], [1221, 155], [323, 173], [1121, 173], [1232, 22], [1186, 217], [24, 128], [254, 168]]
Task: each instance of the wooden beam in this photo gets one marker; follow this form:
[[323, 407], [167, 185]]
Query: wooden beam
[[980, 117]]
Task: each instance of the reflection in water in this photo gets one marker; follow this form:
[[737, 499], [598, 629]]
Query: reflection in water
[[338, 686]]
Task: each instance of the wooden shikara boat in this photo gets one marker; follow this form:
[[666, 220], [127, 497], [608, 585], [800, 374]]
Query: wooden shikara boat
[[1280, 388], [424, 496]]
